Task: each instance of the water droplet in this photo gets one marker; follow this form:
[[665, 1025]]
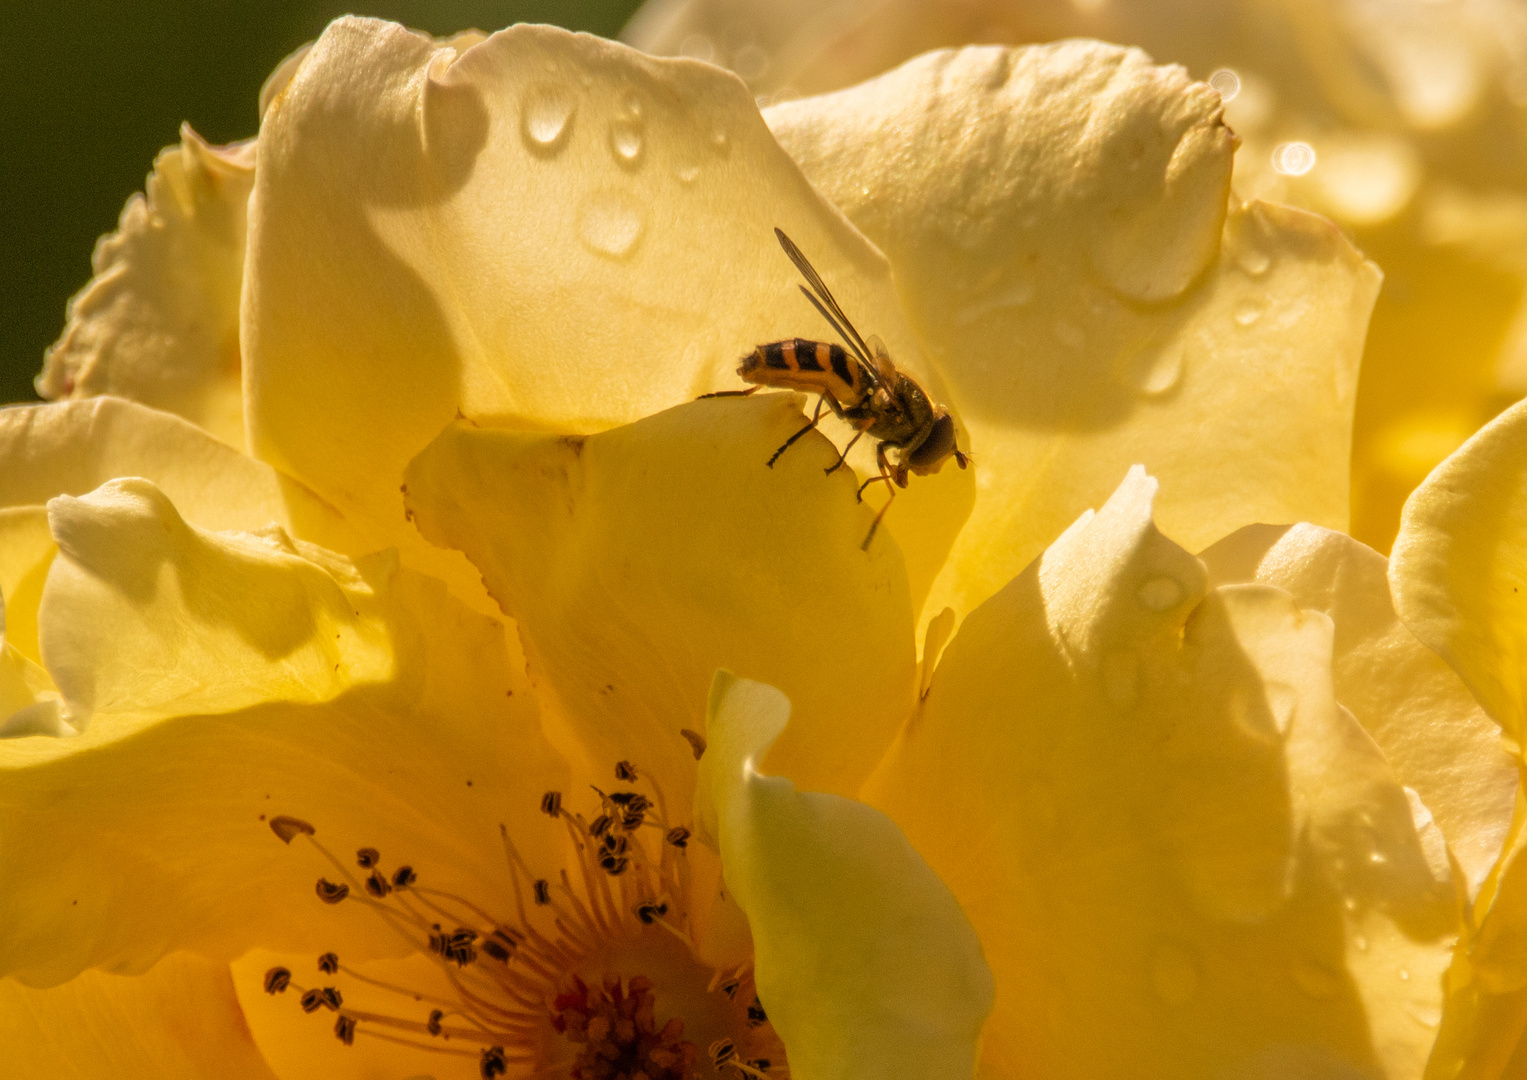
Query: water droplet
[[1160, 593], [1248, 313], [1378, 858], [1282, 702], [626, 142], [1314, 977], [611, 224], [1157, 371], [719, 138], [1121, 677], [633, 106], [698, 47], [1015, 294], [1293, 158], [1226, 84], [1253, 261], [1360, 943], [1428, 1016], [1404, 975], [1173, 973], [688, 173], [546, 120]]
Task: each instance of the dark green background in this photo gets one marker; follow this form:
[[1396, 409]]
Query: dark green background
[[90, 91]]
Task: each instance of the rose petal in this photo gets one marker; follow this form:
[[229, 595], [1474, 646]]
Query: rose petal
[[26, 551], [159, 322], [639, 560], [1432, 731], [1164, 827], [179, 1019], [236, 678], [863, 959], [545, 227], [74, 448], [1054, 218], [1459, 570]]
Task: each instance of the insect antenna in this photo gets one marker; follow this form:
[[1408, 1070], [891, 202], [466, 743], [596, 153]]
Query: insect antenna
[[851, 336]]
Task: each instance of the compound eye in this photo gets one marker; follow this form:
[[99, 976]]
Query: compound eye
[[935, 449]]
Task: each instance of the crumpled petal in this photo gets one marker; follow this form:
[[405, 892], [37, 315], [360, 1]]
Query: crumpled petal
[[180, 1019], [544, 228], [137, 621], [1459, 570], [26, 551], [75, 447], [1432, 731], [359, 697], [1056, 217], [637, 561], [1165, 828], [159, 322], [863, 959]]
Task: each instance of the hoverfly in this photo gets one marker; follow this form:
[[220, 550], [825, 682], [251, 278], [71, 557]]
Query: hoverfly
[[861, 386]]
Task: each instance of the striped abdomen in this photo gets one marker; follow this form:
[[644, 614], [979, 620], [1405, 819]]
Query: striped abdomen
[[812, 366]]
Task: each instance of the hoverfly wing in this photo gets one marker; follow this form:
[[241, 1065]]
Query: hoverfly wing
[[851, 338]]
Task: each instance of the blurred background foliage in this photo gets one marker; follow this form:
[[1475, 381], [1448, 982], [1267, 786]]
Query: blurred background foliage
[[92, 89]]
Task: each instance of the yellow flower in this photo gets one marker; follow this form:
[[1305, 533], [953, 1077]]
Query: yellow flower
[[1403, 120], [454, 626]]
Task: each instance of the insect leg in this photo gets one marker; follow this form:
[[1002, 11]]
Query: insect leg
[[844, 456], [730, 393], [814, 418]]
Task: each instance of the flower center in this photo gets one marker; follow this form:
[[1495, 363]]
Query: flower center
[[595, 978]]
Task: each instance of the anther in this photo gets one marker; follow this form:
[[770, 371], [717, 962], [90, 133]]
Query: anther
[[650, 911], [757, 1016], [543, 892], [722, 1051], [277, 979], [368, 857], [730, 988], [344, 1027], [678, 837], [377, 885], [403, 877], [312, 1000], [696, 741], [624, 770], [456, 946], [551, 803], [328, 963], [330, 998], [435, 1017], [288, 827], [601, 825], [329, 892], [493, 1063]]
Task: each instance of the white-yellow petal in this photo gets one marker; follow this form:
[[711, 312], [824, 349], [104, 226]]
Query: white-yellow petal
[[159, 322], [180, 1019], [1432, 731], [1057, 219], [638, 560], [867, 966], [235, 678], [1459, 570], [1164, 827]]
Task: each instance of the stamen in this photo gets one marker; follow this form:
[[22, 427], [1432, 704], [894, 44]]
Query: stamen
[[696, 741], [530, 992], [288, 827]]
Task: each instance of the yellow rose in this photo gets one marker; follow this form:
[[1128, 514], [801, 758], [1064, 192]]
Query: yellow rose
[[452, 629], [1403, 120]]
